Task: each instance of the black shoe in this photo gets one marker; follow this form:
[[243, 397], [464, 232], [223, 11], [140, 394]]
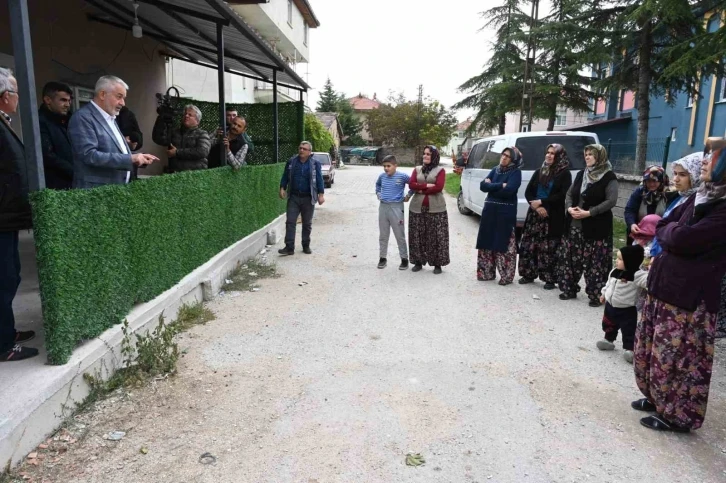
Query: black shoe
[[437, 270], [567, 296], [658, 423], [382, 263], [22, 337], [594, 303], [643, 405], [417, 268], [18, 353], [525, 281], [404, 264], [549, 286], [286, 251], [307, 250]]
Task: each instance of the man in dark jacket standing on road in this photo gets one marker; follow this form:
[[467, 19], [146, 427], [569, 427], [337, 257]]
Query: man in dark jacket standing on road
[[302, 185], [14, 216], [54, 115]]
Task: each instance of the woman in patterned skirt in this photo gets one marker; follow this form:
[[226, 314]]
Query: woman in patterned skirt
[[587, 246], [428, 221], [496, 241], [545, 222], [675, 338]]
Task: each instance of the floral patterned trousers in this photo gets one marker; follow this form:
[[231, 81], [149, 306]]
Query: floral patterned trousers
[[576, 256], [673, 360], [489, 261], [537, 252]]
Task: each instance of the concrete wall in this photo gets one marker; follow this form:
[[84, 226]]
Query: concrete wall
[[626, 186], [199, 82], [270, 20], [69, 48]]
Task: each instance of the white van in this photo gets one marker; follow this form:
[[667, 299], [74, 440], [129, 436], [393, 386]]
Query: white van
[[485, 154]]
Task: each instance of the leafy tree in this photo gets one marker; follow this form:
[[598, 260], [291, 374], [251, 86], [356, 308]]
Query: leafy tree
[[332, 101], [405, 123], [316, 133], [648, 45], [355, 140]]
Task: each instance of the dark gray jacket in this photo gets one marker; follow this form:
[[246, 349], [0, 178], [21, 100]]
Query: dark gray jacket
[[192, 145], [14, 206]]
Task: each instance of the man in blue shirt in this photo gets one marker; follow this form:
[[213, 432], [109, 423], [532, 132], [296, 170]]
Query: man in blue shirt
[[302, 185]]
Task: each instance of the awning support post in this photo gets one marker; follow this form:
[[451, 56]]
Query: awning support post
[[275, 119], [220, 83], [25, 75]]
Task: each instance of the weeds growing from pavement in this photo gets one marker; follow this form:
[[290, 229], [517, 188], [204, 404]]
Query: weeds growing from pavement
[[243, 277]]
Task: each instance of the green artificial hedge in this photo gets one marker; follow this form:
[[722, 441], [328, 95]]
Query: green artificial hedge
[[103, 250]]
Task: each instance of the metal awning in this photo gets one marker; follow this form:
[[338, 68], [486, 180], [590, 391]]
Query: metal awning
[[189, 28]]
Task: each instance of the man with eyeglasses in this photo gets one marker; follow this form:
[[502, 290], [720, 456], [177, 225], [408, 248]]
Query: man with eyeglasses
[[302, 185], [14, 216]]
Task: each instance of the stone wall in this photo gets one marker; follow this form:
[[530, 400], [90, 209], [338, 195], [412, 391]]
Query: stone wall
[[626, 186]]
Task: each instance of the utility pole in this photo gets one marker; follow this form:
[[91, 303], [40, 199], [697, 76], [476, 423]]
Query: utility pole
[[529, 63], [419, 106]]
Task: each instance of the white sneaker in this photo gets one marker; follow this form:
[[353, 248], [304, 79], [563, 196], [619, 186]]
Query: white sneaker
[[628, 356], [605, 345]]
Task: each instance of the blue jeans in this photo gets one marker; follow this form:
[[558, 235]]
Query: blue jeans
[[297, 205], [9, 282]]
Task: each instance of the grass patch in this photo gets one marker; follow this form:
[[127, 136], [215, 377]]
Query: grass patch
[[244, 277], [453, 184], [619, 233], [193, 315]]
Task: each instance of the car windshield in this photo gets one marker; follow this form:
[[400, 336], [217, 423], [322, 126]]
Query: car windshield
[[324, 159], [533, 149]]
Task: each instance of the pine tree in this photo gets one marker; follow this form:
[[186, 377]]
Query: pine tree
[[498, 89], [329, 99], [641, 40]]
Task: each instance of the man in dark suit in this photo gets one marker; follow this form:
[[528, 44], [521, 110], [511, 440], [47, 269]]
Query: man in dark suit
[[101, 154], [53, 116], [14, 216], [126, 120]]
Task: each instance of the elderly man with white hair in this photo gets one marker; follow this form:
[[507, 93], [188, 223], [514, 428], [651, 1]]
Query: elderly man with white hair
[[188, 145], [101, 154], [14, 216]]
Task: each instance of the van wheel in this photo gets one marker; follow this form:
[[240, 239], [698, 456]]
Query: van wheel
[[460, 204]]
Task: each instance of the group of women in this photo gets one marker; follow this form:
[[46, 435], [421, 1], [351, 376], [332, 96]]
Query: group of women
[[568, 233]]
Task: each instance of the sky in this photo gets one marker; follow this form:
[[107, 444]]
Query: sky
[[376, 46]]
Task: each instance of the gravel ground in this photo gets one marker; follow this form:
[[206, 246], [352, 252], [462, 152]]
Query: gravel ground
[[336, 380]]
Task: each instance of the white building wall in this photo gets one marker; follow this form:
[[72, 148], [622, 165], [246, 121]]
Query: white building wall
[[271, 20], [199, 82]]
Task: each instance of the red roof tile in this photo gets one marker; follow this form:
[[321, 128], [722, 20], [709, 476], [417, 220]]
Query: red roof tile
[[362, 103]]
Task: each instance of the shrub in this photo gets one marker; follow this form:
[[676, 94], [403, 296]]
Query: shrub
[[316, 133], [101, 251]]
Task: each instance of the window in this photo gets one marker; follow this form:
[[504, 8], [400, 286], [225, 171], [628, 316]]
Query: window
[[673, 133], [525, 128], [561, 117], [476, 155], [307, 32], [721, 89], [533, 149], [494, 153], [289, 12], [690, 101]]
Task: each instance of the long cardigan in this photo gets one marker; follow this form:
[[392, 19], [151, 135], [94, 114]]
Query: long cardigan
[[554, 203], [499, 215], [693, 262]]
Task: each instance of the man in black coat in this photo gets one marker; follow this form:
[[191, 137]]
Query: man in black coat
[[130, 129], [14, 216], [54, 115]]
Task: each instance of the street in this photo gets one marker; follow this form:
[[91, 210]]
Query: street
[[337, 379]]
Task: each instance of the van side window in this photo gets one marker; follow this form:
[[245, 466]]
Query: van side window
[[475, 156], [491, 159]]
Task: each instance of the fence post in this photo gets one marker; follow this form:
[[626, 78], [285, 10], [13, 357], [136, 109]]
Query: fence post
[[666, 150]]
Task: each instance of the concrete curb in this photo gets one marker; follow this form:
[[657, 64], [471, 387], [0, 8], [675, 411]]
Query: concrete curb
[[52, 394]]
